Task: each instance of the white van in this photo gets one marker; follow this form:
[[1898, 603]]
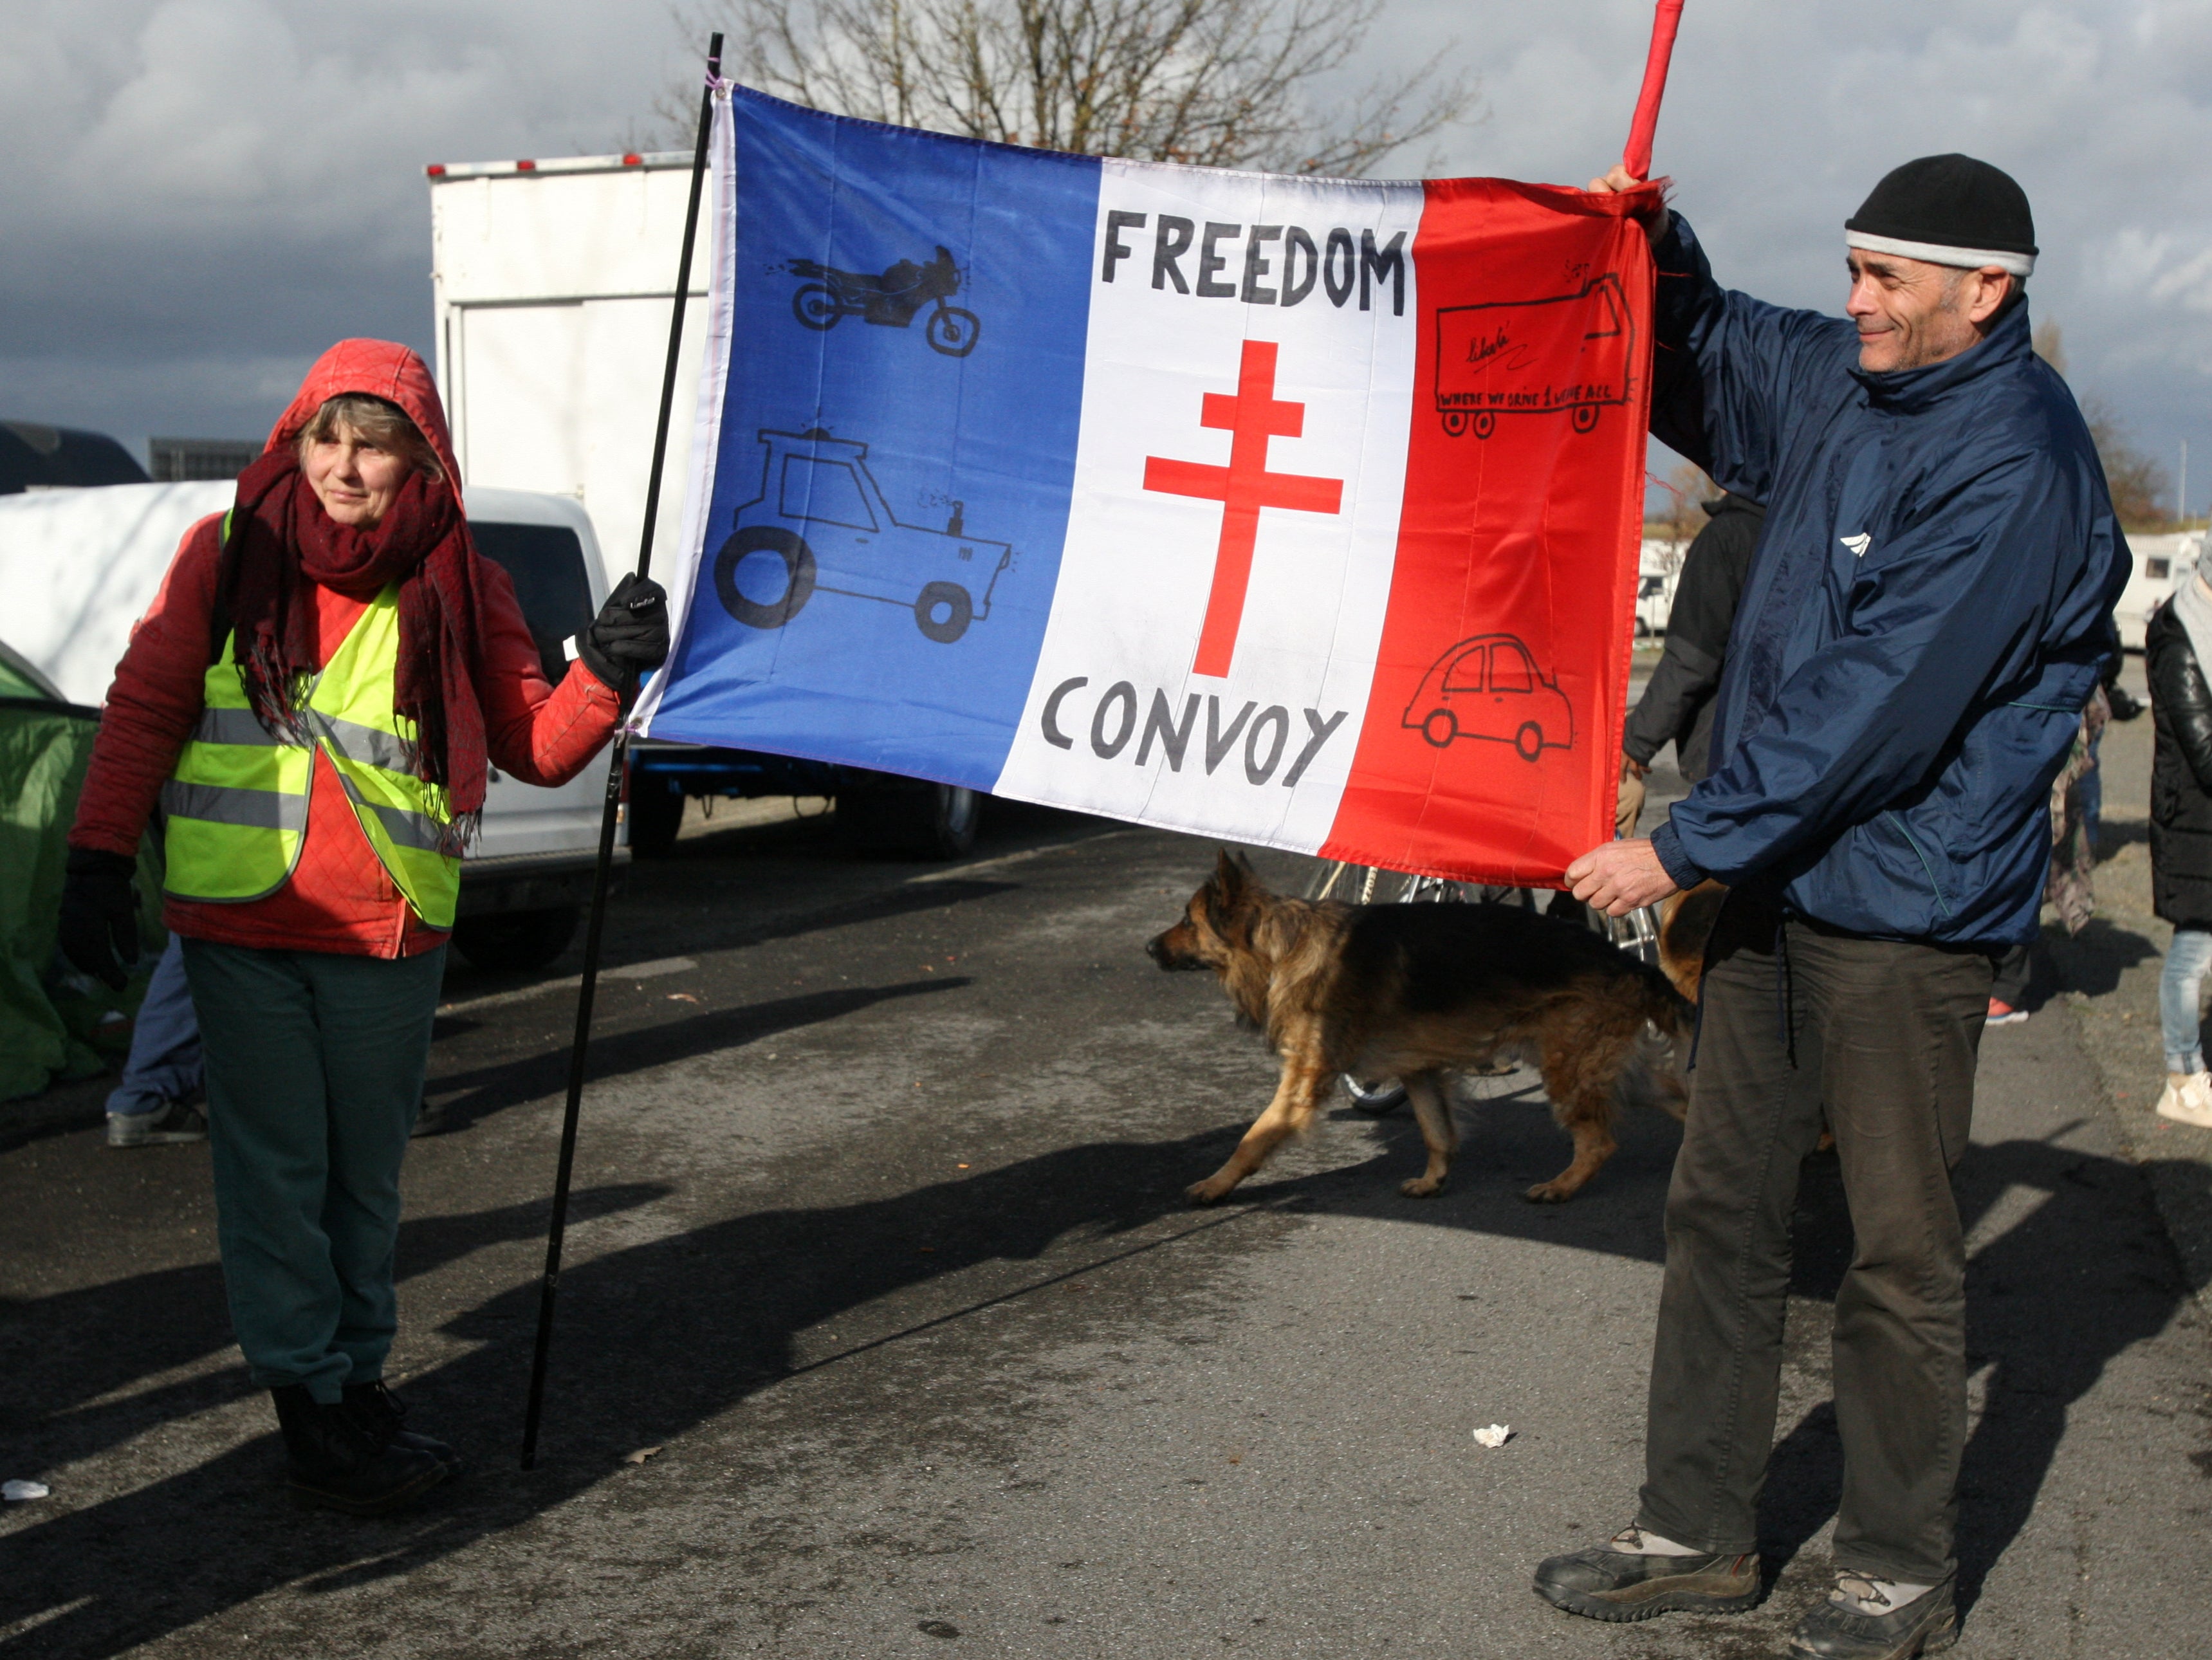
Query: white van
[[79, 567], [2161, 563]]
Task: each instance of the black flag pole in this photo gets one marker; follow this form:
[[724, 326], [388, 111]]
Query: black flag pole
[[551, 1285]]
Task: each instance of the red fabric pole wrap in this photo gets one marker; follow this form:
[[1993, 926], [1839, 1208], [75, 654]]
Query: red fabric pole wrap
[[1637, 158]]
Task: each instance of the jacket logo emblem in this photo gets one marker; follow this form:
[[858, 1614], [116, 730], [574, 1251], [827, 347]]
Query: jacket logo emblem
[[1858, 544]]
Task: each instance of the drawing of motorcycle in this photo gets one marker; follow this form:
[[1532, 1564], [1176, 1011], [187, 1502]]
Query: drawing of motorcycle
[[889, 301]]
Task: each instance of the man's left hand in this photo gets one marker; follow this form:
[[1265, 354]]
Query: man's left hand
[[1618, 877]]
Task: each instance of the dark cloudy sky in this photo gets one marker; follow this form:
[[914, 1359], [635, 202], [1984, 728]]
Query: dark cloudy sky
[[199, 195]]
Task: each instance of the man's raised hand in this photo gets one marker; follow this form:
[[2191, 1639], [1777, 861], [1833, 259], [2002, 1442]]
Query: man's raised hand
[[1617, 182]]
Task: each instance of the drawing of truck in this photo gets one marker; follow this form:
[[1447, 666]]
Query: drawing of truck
[[1567, 351], [1489, 686], [821, 523]]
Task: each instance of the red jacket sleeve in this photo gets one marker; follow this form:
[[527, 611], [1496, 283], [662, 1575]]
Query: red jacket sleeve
[[538, 733], [155, 701]]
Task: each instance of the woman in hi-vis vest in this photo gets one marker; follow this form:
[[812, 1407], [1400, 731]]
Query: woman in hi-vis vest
[[313, 700]]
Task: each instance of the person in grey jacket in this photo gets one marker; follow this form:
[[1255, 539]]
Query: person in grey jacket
[[1927, 617], [1677, 705]]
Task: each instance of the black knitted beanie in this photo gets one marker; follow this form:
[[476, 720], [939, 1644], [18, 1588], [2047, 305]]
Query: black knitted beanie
[[1949, 210]]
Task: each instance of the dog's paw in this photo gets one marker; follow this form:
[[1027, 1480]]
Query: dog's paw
[[1422, 1187], [1549, 1193], [1211, 1191]]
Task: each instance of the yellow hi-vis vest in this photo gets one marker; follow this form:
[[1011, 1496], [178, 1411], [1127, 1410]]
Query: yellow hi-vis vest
[[237, 803]]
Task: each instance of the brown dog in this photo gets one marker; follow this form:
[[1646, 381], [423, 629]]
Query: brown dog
[[1414, 992]]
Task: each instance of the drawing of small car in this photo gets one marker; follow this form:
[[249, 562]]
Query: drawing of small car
[[1490, 687], [821, 523], [1567, 351]]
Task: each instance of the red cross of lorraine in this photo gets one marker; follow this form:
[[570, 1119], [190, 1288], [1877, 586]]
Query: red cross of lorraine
[[1243, 487]]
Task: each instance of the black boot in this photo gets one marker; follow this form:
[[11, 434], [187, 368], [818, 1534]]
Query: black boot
[[336, 1464], [1602, 1583], [384, 1415]]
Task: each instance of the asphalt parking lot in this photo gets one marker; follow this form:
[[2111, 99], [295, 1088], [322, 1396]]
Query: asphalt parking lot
[[886, 1331]]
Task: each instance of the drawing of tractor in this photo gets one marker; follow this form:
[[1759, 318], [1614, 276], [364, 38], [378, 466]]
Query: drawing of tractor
[[1568, 351], [821, 524], [1490, 687]]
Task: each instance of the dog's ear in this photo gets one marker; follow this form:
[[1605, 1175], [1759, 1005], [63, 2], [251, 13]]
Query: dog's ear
[[1223, 892], [1229, 873]]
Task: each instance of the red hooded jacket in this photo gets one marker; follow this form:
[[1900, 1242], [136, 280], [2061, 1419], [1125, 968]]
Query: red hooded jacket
[[339, 898]]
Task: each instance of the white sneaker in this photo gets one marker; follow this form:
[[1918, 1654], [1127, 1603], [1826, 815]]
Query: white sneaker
[[2189, 1102]]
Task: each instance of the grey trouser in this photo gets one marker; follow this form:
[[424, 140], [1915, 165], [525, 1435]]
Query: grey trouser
[[1885, 1033], [314, 1075]]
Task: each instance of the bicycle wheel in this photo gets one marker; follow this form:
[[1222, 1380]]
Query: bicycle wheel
[[1375, 1100], [1636, 934], [1370, 884]]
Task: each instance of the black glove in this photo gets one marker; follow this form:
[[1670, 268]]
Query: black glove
[[630, 635], [2126, 706], [99, 913]]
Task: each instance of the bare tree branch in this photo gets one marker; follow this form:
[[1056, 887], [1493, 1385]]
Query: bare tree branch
[[1229, 83]]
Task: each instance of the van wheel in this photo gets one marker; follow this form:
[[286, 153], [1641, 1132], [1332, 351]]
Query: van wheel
[[656, 814], [1455, 423], [1530, 740], [763, 545], [1440, 728], [926, 821], [952, 599], [515, 941], [1485, 422], [1585, 416]]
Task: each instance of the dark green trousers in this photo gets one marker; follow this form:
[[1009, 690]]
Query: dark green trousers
[[314, 1075], [1884, 1033]]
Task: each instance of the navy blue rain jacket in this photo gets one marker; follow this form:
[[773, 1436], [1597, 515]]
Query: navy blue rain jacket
[[1926, 615]]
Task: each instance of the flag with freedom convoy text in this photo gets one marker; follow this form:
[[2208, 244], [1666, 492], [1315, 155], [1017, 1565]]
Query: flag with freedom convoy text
[[1289, 511]]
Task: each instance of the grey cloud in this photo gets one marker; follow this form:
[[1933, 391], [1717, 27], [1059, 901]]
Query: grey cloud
[[1779, 117], [204, 193]]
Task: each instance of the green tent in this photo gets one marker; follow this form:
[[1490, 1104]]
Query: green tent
[[54, 1023]]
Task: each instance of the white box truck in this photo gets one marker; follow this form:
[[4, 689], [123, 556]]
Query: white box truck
[[554, 281]]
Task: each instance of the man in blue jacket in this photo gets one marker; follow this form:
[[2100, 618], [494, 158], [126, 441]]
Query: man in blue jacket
[[1924, 619]]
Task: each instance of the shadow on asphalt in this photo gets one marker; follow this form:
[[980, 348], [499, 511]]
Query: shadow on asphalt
[[904, 900], [2085, 1274], [2093, 960], [659, 1337], [69, 1352], [490, 1089]]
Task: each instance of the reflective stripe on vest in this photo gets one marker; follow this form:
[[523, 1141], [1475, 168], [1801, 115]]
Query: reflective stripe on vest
[[237, 802]]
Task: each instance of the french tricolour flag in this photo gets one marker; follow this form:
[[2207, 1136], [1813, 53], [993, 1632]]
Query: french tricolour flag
[[1289, 511]]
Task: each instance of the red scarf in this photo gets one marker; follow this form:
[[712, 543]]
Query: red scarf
[[279, 533]]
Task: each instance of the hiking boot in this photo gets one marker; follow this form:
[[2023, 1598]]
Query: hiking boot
[[383, 1415], [1846, 1627], [333, 1463], [1607, 1583], [177, 1121]]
